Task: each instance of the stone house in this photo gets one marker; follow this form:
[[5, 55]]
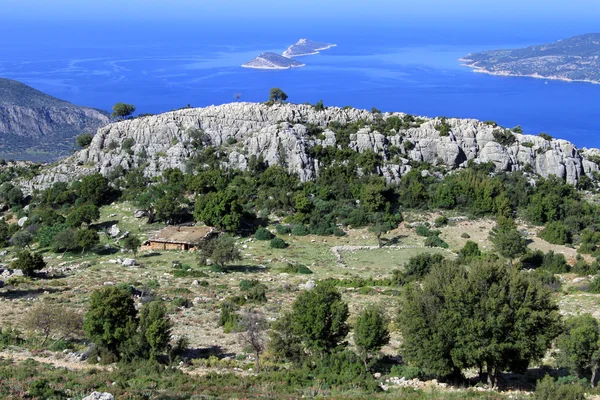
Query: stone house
[[179, 238]]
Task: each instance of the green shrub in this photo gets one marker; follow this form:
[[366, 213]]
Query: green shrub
[[441, 221], [283, 229], [504, 137], [263, 234], [594, 285], [278, 243], [556, 232], [229, 319], [406, 371], [296, 269], [436, 241], [469, 252], [423, 230], [300, 230], [545, 136], [555, 263], [549, 389], [181, 302], [527, 144]]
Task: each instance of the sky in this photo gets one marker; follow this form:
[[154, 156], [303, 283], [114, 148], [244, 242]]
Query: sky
[[401, 11]]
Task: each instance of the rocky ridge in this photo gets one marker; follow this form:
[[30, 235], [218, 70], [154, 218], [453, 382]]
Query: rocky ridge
[[280, 134]]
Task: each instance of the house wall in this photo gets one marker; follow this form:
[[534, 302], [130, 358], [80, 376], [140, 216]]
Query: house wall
[[168, 246]]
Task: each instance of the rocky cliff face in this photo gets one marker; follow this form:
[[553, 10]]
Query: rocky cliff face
[[280, 133]]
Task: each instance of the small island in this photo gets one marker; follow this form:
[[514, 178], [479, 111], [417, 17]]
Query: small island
[[305, 47], [272, 61], [575, 59]]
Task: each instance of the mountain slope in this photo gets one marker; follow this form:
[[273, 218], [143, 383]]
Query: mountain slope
[[299, 137], [36, 126], [575, 59]]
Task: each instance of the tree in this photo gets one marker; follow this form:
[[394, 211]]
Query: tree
[[28, 262], [64, 241], [219, 209], [276, 94], [494, 318], [111, 318], [86, 239], [469, 252], [580, 346], [508, 241], [84, 140], [122, 110], [53, 320], [253, 326], [132, 243], [220, 251], [556, 232], [21, 239], [319, 318], [154, 329], [85, 214], [93, 189], [370, 333]]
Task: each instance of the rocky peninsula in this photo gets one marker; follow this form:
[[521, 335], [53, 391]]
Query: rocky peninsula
[[576, 59]]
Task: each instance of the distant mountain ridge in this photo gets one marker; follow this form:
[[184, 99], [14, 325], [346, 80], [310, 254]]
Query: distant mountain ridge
[[36, 126], [573, 59]]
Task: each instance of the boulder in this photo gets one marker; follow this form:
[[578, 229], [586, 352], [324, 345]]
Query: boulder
[[99, 396], [128, 262], [140, 213], [21, 222], [114, 231], [310, 285]]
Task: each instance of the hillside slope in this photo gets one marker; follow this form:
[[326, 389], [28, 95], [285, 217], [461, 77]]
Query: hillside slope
[[299, 136], [36, 126], [574, 59]]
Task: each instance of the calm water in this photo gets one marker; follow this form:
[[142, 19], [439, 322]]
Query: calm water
[[411, 69]]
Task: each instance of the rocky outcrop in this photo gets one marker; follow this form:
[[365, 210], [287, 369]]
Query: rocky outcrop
[[280, 134]]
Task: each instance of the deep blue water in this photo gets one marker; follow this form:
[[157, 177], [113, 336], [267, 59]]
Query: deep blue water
[[415, 69]]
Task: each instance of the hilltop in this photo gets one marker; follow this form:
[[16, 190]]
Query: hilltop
[[573, 59], [272, 61], [36, 126], [297, 136]]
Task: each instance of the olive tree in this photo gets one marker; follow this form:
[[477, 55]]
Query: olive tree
[[122, 110]]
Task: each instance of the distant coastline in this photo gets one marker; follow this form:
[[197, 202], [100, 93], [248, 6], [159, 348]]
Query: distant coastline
[[482, 70]]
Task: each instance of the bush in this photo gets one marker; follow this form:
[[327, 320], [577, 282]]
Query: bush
[[406, 371], [263, 234], [423, 230], [556, 232], [555, 263], [229, 319], [545, 136], [278, 243], [549, 389], [595, 285], [297, 269], [29, 263], [300, 230], [441, 221], [283, 229], [84, 140], [504, 137], [469, 252], [181, 302], [436, 241]]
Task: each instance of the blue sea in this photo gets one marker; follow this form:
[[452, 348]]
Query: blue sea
[[411, 67]]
